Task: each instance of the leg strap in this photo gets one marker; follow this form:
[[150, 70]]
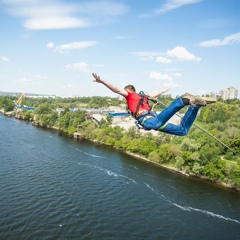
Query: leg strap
[[163, 126], [145, 118]]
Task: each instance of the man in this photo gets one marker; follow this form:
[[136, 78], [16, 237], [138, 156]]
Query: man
[[151, 120]]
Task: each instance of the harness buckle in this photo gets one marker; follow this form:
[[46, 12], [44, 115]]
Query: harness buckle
[[139, 127], [141, 113]]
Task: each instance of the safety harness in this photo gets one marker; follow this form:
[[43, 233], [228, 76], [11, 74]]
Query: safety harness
[[145, 114], [143, 98]]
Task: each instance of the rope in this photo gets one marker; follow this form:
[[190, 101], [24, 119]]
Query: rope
[[157, 102]]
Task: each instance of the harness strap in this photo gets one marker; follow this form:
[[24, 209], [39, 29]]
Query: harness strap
[[141, 94], [143, 98], [163, 126], [141, 113], [146, 118]]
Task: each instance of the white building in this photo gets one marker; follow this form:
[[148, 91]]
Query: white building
[[229, 93]]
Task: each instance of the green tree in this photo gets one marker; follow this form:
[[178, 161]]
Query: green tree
[[134, 146], [197, 168], [123, 142], [146, 146], [71, 130], [189, 145], [214, 171], [6, 103], [43, 109], [235, 143], [179, 162], [65, 120], [207, 152], [153, 156], [28, 115], [165, 155], [236, 176]]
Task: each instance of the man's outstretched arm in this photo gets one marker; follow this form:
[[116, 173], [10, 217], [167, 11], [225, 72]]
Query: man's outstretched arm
[[109, 85], [157, 94]]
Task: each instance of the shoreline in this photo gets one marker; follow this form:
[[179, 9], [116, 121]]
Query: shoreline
[[219, 184]]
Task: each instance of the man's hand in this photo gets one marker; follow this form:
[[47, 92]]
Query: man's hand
[[112, 87], [157, 94], [165, 90], [96, 78]]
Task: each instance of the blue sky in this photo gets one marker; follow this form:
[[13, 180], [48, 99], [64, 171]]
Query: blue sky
[[53, 46]]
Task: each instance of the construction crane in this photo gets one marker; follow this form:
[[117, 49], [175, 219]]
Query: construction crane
[[19, 103]]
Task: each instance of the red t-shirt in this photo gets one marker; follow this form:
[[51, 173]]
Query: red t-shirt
[[133, 100]]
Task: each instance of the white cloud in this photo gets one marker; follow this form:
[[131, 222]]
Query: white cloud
[[74, 45], [50, 45], [182, 54], [55, 22], [55, 14], [231, 39], [159, 76], [163, 60], [48, 15], [169, 6], [82, 67], [173, 4], [4, 59]]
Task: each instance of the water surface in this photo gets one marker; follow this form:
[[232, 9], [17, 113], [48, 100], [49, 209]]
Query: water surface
[[54, 187]]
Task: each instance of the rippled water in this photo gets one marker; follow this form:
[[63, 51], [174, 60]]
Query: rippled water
[[53, 187]]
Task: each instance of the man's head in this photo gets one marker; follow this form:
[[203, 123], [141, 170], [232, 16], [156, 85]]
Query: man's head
[[130, 88]]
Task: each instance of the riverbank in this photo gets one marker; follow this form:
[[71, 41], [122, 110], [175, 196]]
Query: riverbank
[[220, 184], [143, 158]]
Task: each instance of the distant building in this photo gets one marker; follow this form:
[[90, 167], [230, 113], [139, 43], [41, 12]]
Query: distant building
[[119, 117], [229, 93], [213, 95], [59, 110]]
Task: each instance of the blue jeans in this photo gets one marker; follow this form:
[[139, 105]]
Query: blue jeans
[[162, 118]]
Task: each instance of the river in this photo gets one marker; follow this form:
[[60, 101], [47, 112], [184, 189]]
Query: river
[[54, 187]]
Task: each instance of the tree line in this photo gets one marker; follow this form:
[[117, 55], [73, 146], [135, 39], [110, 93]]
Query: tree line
[[197, 153]]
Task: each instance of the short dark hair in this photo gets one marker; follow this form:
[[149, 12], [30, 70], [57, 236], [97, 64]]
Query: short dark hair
[[130, 87]]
